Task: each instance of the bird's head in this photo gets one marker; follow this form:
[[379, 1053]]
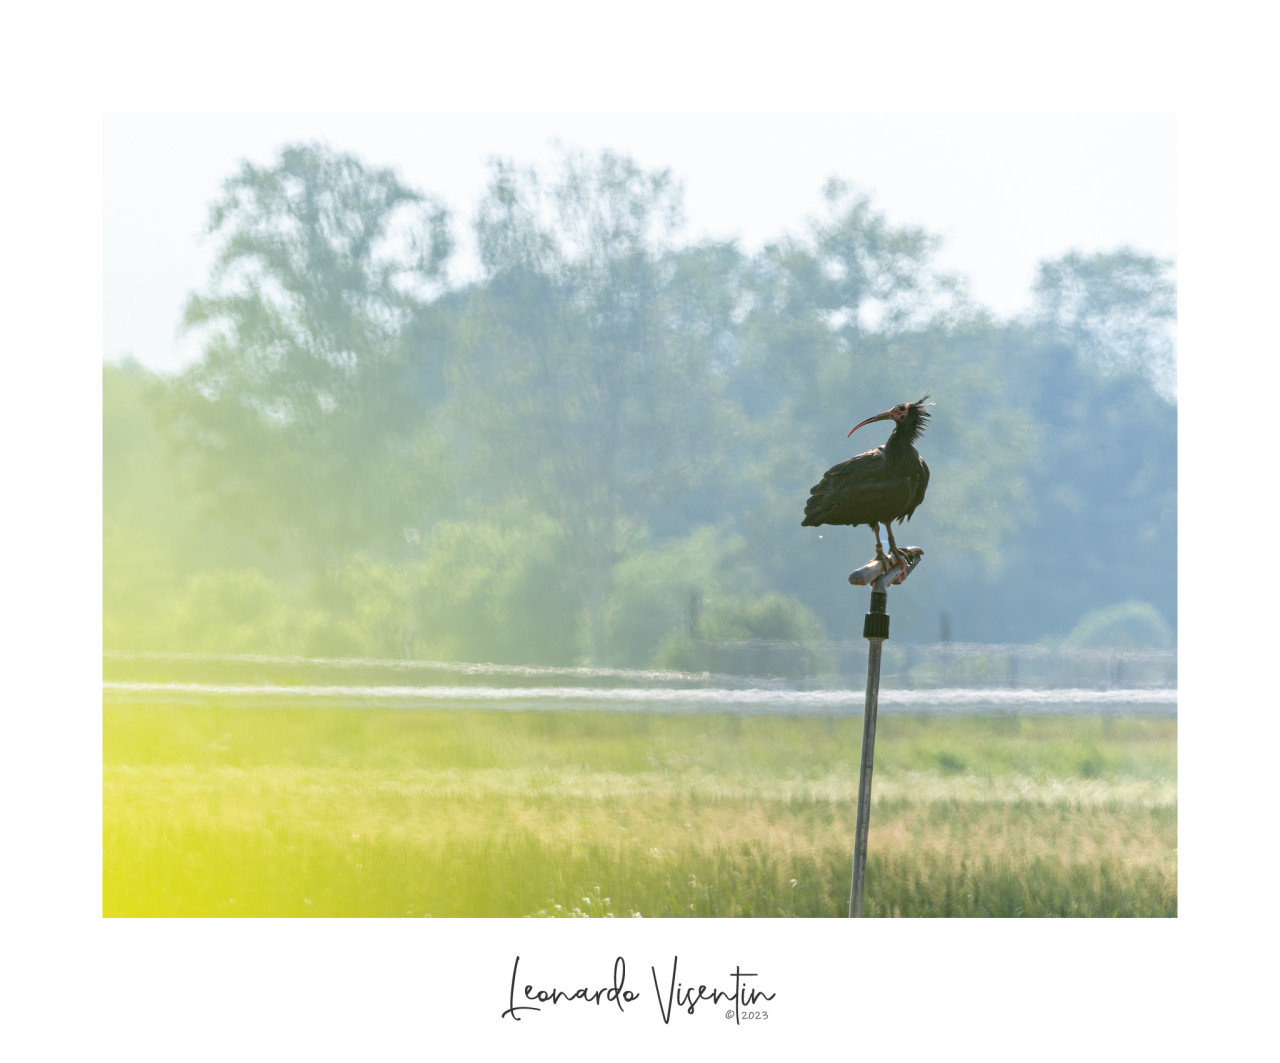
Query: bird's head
[[911, 415]]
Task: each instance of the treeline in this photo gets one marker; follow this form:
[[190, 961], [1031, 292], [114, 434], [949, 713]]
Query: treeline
[[599, 449]]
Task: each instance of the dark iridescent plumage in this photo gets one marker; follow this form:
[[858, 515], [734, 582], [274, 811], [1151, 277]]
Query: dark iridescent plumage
[[880, 486]]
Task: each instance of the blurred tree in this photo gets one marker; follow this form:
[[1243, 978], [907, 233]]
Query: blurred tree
[[871, 274], [657, 583], [1117, 309], [554, 461], [593, 370], [302, 409], [1123, 626], [843, 323], [771, 634], [497, 589], [152, 536], [1095, 363], [818, 299], [142, 511], [230, 611]]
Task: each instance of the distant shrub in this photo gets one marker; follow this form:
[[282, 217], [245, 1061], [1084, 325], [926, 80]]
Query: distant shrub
[[238, 611], [770, 616], [490, 591], [659, 588], [1125, 626], [361, 608], [766, 635]]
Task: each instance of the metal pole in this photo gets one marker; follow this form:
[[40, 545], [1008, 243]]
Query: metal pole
[[875, 629]]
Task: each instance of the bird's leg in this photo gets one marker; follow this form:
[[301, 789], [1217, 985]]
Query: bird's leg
[[875, 527], [898, 555]]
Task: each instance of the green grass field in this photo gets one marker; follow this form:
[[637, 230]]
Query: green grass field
[[232, 810]]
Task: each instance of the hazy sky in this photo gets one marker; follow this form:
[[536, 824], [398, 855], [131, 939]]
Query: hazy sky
[[1004, 191]]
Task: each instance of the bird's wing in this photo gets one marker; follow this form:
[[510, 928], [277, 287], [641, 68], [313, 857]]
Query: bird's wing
[[866, 489], [916, 487], [857, 491], [869, 465]]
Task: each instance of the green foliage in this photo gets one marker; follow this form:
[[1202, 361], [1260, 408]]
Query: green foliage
[[230, 612], [979, 447], [770, 616], [528, 467], [1117, 308], [1123, 626], [140, 535], [769, 634], [294, 413], [865, 265], [846, 323], [1103, 525], [659, 589], [360, 608], [493, 590], [484, 591], [588, 359], [154, 537]]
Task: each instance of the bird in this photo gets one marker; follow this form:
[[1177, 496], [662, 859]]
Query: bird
[[879, 486]]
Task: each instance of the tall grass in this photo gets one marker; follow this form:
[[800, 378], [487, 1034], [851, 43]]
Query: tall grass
[[221, 810]]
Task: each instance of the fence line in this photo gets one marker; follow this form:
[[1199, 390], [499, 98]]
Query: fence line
[[948, 664], [742, 701], [723, 664]]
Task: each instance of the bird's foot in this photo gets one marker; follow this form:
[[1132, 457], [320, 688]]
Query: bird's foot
[[883, 558], [900, 560]]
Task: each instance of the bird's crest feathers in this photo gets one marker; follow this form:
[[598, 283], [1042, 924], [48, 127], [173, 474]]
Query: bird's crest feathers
[[922, 413]]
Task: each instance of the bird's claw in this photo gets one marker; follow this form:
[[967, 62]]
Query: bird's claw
[[901, 560]]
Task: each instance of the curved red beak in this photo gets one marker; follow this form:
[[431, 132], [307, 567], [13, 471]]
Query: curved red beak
[[886, 416]]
